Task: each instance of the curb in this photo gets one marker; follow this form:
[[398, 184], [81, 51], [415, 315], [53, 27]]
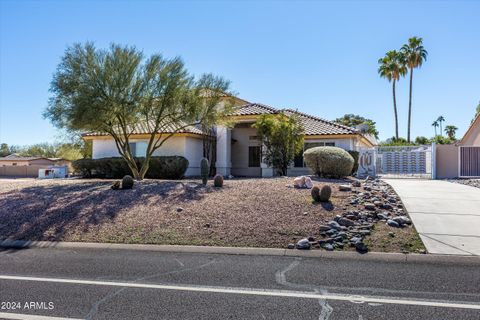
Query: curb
[[371, 256]]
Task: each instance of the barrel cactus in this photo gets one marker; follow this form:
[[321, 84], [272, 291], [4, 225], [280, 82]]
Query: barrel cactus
[[218, 181], [127, 182], [325, 193], [315, 194], [204, 168]]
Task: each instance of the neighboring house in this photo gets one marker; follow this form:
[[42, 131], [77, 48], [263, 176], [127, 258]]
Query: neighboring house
[[461, 159], [19, 166], [16, 160], [238, 148]]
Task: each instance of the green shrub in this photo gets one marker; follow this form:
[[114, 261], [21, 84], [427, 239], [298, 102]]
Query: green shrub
[[127, 182], [204, 168], [330, 162], [325, 194], [218, 181], [165, 167], [315, 194], [355, 155]]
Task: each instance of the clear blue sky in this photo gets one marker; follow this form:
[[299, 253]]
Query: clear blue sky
[[319, 57]]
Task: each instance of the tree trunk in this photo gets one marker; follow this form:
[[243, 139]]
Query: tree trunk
[[410, 105], [395, 110]]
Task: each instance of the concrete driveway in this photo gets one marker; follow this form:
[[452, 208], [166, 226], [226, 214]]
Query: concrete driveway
[[445, 214]]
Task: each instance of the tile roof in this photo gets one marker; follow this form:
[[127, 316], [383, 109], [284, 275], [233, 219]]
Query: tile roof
[[312, 125], [254, 109], [143, 128]]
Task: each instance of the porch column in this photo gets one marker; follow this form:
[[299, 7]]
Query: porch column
[[267, 171], [224, 150]]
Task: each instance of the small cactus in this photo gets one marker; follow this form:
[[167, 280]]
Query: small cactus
[[325, 193], [127, 182], [204, 168], [115, 185], [218, 181], [316, 194]]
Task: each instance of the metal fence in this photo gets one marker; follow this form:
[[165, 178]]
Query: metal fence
[[469, 159]]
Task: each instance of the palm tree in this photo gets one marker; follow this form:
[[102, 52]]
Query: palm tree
[[392, 67], [440, 120], [450, 131], [415, 55], [435, 125]]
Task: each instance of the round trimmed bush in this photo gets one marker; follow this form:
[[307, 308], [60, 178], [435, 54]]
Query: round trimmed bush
[[325, 194], [127, 182], [330, 162]]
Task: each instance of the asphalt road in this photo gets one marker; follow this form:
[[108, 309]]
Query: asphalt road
[[126, 284]]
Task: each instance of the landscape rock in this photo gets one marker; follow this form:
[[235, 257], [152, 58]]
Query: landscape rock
[[308, 183], [345, 187], [334, 225], [304, 244], [345, 222], [369, 206], [393, 223], [356, 183], [361, 247], [291, 246], [324, 228], [299, 182], [328, 247]]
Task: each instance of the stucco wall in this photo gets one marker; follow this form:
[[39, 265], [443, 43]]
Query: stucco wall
[[240, 146], [473, 136], [447, 161], [41, 162], [194, 154], [188, 147]]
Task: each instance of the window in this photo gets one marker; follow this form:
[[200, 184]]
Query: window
[[133, 148], [298, 161], [254, 156]]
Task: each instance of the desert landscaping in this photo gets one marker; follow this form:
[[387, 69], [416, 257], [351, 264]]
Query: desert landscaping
[[244, 212]]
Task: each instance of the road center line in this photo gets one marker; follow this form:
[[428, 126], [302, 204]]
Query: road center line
[[19, 316], [254, 292]]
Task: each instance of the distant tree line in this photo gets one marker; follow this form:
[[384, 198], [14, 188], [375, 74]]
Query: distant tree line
[[65, 150]]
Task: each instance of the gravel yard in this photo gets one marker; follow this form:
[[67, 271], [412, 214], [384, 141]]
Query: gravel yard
[[469, 182], [245, 212]]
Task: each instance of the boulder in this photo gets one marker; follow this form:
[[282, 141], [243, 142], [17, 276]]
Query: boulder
[[308, 183], [334, 225], [361, 247], [402, 220], [299, 182], [328, 247], [345, 222], [393, 223], [304, 244], [324, 228]]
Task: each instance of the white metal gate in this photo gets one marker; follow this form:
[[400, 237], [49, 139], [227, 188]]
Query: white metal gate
[[405, 161], [469, 162]]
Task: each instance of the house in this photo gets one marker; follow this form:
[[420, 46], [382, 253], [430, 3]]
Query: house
[[19, 166], [238, 148], [461, 159], [15, 159]]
